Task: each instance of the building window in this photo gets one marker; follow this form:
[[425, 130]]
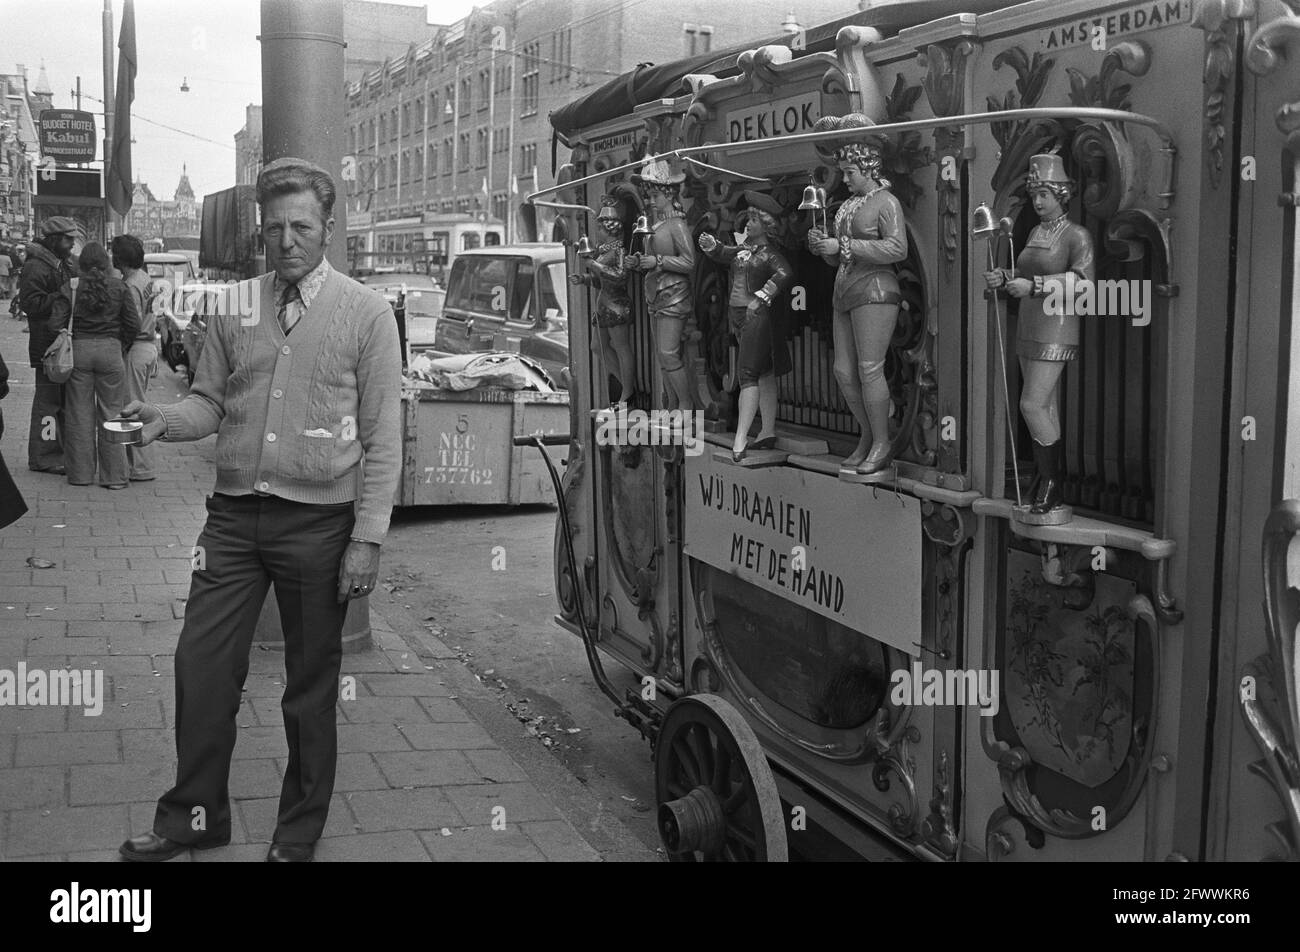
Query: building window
[[383, 126], [561, 53], [406, 118], [503, 79], [431, 169], [434, 115], [500, 209], [447, 153], [392, 171], [463, 146], [448, 97], [462, 205], [531, 77], [466, 95], [392, 124], [699, 39], [527, 158], [484, 87], [480, 148]]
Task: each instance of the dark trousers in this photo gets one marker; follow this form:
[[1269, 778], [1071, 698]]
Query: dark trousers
[[247, 543], [45, 438]]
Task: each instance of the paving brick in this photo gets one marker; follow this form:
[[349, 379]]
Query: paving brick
[[259, 818], [357, 772], [411, 685], [404, 847], [260, 742], [423, 809], [132, 612], [18, 594], [270, 686], [142, 576], [7, 745], [149, 745], [105, 594], [371, 737], [73, 747], [482, 844], [522, 802], [442, 710], [120, 715], [120, 665], [254, 778], [15, 628], [559, 842], [136, 687], [160, 593], [23, 788], [69, 578], [427, 768], [157, 644], [32, 720], [242, 853], [101, 856], [65, 829], [368, 710], [495, 766], [448, 736], [55, 645], [105, 629], [113, 553], [88, 611], [119, 783], [14, 578]]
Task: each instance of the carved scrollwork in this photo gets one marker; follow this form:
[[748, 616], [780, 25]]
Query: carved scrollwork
[[674, 650], [898, 760], [1220, 52], [1031, 80], [1270, 703], [1016, 764], [1267, 47], [760, 66], [944, 84], [938, 828], [1004, 829]]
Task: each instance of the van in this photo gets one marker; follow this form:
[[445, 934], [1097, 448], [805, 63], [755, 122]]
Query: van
[[509, 298]]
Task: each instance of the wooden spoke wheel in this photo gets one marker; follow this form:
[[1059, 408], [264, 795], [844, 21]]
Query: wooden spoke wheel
[[717, 798]]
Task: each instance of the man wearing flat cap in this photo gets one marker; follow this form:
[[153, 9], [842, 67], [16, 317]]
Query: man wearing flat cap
[[299, 392], [45, 277]]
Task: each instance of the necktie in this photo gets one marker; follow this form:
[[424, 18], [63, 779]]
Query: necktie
[[288, 316]]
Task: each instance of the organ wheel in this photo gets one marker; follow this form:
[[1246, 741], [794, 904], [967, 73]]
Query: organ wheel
[[716, 794]]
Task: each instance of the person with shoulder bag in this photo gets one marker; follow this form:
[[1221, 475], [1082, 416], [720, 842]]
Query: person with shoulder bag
[[46, 273], [104, 325]]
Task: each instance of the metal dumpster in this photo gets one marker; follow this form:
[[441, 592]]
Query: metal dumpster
[[458, 447]]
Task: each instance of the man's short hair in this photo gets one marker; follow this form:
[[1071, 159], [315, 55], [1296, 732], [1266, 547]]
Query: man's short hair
[[289, 176], [127, 251]]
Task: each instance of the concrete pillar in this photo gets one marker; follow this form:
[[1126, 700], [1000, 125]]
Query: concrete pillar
[[303, 99], [303, 114]]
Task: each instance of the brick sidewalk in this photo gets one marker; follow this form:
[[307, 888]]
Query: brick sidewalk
[[418, 778]]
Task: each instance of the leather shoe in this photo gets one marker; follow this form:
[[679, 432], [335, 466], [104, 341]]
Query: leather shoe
[[152, 848], [291, 853]]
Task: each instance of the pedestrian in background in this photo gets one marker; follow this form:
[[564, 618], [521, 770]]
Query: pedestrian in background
[[46, 273], [299, 392], [6, 266], [104, 326], [12, 504], [142, 358]]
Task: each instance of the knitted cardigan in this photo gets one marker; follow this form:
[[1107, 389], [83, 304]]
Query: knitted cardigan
[[294, 415]]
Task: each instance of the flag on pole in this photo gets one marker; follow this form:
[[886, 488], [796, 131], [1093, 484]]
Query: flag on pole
[[118, 186]]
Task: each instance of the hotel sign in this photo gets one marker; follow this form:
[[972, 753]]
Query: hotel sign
[[836, 548], [771, 120], [68, 135]]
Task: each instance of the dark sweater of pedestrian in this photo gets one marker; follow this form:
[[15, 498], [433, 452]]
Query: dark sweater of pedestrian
[[104, 323], [12, 504]]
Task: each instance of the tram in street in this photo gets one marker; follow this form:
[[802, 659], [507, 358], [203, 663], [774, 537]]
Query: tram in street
[[1051, 616]]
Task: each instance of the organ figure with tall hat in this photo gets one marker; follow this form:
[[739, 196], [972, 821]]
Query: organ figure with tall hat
[[1046, 341], [668, 261], [607, 273]]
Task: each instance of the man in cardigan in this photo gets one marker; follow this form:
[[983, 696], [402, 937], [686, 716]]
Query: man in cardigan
[[297, 392]]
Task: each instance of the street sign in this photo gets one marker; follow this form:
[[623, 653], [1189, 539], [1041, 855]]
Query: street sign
[[68, 135]]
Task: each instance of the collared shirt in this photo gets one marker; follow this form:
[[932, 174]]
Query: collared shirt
[[308, 288], [139, 286]]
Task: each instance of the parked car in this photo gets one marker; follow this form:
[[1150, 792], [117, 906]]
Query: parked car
[[181, 328], [509, 298], [423, 298], [171, 265]]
